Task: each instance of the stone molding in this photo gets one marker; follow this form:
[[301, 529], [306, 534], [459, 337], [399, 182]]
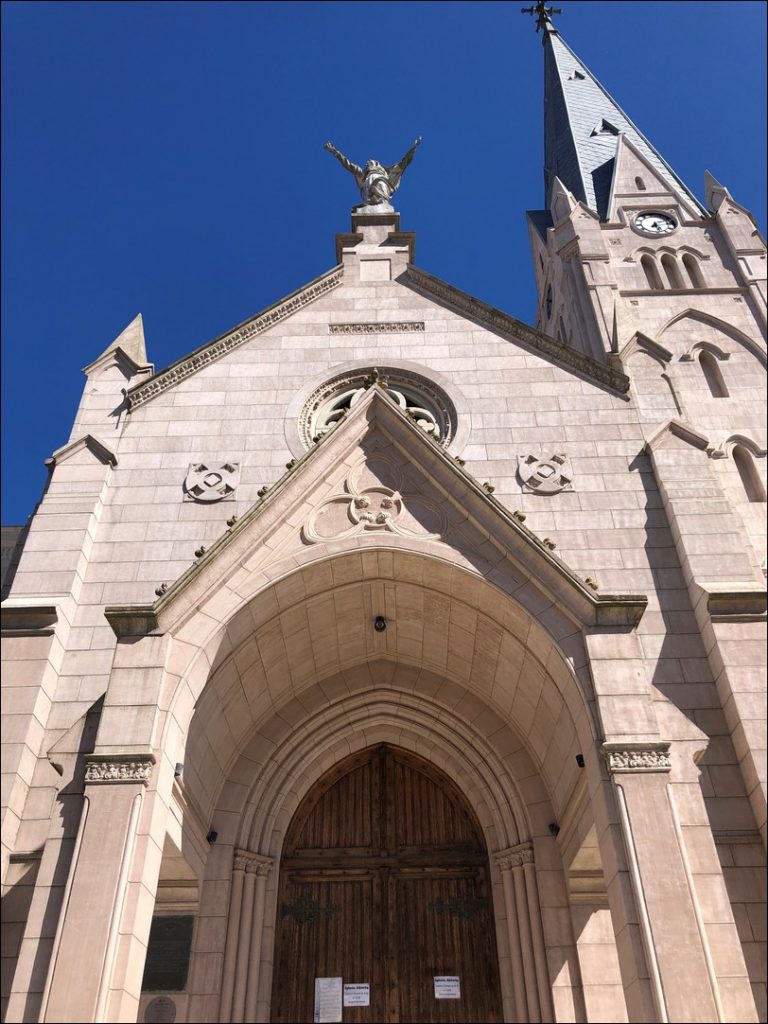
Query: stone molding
[[100, 768], [209, 353], [735, 602], [252, 863], [29, 619], [96, 447], [678, 429], [514, 857], [392, 327], [496, 320], [637, 757]]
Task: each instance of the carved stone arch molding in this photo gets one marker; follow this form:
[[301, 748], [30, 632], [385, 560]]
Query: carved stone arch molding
[[750, 344], [284, 767], [724, 447], [704, 346]]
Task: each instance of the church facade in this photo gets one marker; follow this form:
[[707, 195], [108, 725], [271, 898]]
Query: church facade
[[388, 659]]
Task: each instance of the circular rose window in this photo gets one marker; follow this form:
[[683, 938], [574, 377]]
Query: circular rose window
[[418, 397]]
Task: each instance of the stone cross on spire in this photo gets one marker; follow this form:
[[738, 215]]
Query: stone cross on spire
[[542, 12]]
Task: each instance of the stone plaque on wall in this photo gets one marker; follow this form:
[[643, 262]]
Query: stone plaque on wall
[[167, 965], [160, 1010]]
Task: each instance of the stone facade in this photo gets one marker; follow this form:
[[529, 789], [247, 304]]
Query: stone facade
[[572, 574]]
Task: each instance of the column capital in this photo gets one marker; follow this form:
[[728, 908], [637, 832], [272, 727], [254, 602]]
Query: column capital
[[253, 863], [650, 756], [514, 856], [119, 767]]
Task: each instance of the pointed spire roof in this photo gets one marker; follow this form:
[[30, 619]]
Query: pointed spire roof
[[131, 341], [582, 125]]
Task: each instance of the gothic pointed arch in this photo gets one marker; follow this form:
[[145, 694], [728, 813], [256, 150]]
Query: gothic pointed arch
[[697, 316]]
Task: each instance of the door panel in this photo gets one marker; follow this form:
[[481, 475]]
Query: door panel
[[443, 926], [317, 919], [383, 881]]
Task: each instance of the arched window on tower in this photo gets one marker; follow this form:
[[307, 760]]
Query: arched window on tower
[[640, 185], [693, 270], [671, 269], [750, 478], [712, 374], [648, 263]]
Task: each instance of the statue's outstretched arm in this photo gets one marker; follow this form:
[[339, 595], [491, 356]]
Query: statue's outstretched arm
[[345, 163], [408, 156]]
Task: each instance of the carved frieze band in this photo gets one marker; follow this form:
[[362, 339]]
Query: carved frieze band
[[394, 327], [253, 863], [514, 857], [641, 757], [119, 769], [168, 378], [497, 320]]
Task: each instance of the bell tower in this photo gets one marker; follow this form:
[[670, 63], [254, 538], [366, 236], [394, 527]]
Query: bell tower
[[623, 245]]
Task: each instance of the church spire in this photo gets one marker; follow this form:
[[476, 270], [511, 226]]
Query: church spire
[[582, 125]]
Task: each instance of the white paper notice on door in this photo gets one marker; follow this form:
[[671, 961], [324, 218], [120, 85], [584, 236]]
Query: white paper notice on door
[[327, 1001], [357, 995], [447, 986]]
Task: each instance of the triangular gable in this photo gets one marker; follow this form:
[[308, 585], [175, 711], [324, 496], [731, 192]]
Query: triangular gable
[[640, 342], [376, 474], [87, 443], [632, 163], [675, 428]]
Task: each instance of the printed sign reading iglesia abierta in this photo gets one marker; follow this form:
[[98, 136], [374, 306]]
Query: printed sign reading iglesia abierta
[[357, 995], [447, 987]]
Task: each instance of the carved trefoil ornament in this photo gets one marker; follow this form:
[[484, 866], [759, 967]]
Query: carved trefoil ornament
[[208, 482], [372, 500], [545, 476]]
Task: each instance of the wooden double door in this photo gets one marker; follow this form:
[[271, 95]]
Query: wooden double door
[[384, 883]]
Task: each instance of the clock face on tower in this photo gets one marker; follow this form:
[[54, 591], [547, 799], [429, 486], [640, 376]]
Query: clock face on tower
[[654, 224]]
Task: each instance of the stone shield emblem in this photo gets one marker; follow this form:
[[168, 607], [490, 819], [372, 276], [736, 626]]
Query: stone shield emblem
[[209, 483], [544, 476]]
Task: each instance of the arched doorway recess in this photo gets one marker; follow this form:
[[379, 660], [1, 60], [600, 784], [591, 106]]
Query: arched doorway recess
[[384, 882]]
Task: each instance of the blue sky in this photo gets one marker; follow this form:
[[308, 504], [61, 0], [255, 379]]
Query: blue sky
[[167, 158]]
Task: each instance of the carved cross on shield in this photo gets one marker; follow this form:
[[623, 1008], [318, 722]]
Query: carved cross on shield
[[544, 476], [211, 483]]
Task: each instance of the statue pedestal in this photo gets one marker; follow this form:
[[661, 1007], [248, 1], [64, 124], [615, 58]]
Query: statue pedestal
[[376, 231], [379, 208]]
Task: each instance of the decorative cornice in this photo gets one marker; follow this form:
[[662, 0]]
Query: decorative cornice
[[514, 857], [253, 863], [213, 350], [380, 327], [119, 768], [637, 757], [495, 319]]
